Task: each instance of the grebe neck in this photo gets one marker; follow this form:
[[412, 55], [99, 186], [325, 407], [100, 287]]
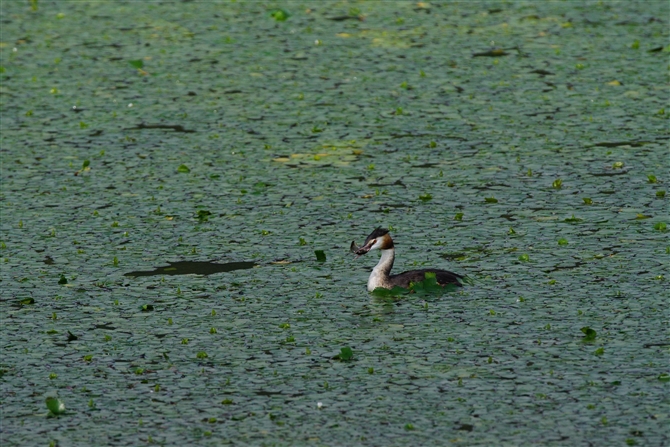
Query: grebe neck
[[381, 273]]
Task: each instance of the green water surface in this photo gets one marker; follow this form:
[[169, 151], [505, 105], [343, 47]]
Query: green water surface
[[523, 144]]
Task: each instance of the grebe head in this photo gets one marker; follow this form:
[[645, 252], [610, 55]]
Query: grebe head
[[379, 239]]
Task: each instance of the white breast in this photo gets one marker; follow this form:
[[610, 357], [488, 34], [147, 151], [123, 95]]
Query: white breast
[[375, 280]]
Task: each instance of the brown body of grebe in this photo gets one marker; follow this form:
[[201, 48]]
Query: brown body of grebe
[[380, 239]]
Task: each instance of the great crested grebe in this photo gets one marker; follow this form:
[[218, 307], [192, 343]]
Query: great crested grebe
[[381, 274]]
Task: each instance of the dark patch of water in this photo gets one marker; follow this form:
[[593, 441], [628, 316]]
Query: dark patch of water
[[175, 127], [565, 267], [491, 53], [105, 326], [621, 143], [542, 72], [195, 268], [267, 393], [610, 173]]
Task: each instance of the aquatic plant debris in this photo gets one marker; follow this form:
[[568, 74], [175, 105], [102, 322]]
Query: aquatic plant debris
[[320, 255], [56, 406], [345, 354], [428, 286], [292, 136]]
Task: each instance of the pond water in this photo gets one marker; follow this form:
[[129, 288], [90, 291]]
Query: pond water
[[524, 145]]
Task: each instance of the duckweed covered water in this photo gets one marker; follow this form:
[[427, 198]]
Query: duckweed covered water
[[521, 144]]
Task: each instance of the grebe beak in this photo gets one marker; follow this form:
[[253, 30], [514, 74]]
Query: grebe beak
[[359, 251]]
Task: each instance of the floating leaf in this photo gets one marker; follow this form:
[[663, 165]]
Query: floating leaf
[[183, 169], [346, 353], [428, 284], [491, 200], [280, 15], [138, 63], [203, 215], [395, 291], [664, 377], [55, 405], [589, 334], [260, 188]]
